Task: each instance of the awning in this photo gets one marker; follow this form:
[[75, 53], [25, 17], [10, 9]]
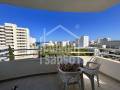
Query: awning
[[65, 5]]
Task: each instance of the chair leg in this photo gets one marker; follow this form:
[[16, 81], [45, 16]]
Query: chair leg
[[65, 86], [92, 82], [82, 82], [79, 85], [98, 80]]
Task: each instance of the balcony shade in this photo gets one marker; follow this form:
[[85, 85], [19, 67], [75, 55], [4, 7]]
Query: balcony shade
[[65, 5]]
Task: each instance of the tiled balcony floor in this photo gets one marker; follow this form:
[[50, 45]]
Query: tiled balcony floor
[[52, 82]]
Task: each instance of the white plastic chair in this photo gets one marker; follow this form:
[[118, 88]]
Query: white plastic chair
[[69, 78], [92, 70]]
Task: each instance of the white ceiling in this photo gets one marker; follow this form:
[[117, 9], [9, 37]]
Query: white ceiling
[[65, 5]]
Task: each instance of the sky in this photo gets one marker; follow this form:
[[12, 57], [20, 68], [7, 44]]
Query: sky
[[94, 24]]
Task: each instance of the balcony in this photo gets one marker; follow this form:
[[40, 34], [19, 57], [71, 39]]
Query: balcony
[[29, 70], [52, 82], [29, 74]]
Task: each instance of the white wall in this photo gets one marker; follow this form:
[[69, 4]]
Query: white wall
[[20, 68], [13, 69], [110, 67]]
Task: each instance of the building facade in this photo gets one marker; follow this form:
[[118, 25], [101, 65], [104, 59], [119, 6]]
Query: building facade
[[114, 44], [16, 37], [3, 53], [83, 42], [103, 40], [65, 43], [2, 37], [109, 43]]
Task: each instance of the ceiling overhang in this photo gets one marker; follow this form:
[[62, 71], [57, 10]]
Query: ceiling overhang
[[65, 5]]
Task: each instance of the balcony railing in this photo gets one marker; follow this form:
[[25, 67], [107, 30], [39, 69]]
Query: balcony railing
[[113, 54], [37, 53]]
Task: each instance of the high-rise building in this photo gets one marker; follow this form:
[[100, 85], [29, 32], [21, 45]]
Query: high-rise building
[[2, 36], [16, 37], [83, 41], [65, 43], [103, 40], [98, 40]]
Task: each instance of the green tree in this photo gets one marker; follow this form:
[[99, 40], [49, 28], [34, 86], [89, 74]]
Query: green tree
[[11, 55], [39, 53]]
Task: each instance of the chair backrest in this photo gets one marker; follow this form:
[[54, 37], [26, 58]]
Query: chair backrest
[[93, 59], [93, 65], [67, 76]]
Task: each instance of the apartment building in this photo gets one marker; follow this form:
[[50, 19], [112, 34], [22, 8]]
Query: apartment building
[[2, 36], [114, 44], [3, 53], [109, 43], [3, 48], [83, 42], [16, 37], [65, 43]]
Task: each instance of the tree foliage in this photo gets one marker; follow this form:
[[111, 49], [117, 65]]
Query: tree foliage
[[11, 55]]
